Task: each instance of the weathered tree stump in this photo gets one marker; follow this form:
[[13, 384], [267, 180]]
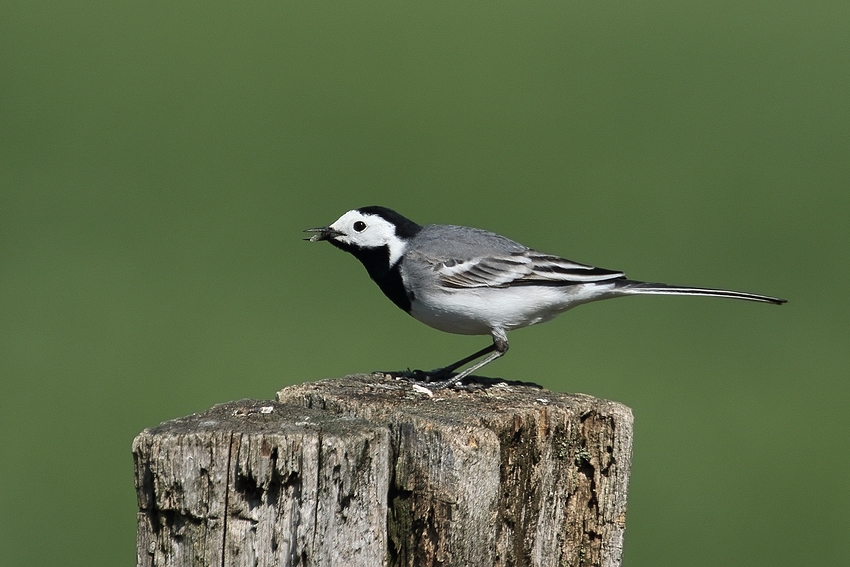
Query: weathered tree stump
[[370, 471]]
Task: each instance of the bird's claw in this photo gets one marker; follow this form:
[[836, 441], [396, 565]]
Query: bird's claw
[[434, 379]]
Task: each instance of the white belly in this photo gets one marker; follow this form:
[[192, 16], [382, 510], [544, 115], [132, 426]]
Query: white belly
[[478, 311]]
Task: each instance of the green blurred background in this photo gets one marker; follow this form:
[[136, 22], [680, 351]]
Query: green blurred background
[[158, 161]]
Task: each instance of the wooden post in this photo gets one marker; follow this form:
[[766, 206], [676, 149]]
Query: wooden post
[[370, 471]]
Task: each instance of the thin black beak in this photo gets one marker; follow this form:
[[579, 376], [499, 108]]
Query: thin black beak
[[325, 233]]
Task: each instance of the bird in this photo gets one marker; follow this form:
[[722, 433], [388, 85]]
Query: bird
[[470, 281]]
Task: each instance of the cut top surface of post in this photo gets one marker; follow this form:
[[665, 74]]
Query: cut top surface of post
[[377, 395]]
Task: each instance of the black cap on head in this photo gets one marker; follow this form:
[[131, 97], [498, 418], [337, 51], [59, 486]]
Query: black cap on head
[[405, 228]]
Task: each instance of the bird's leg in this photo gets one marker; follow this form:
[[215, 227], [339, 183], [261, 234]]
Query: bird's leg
[[442, 373], [496, 350]]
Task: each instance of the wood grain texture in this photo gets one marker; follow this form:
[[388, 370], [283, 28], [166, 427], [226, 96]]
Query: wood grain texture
[[366, 470], [236, 486]]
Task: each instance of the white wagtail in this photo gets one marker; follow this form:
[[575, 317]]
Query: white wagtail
[[474, 282]]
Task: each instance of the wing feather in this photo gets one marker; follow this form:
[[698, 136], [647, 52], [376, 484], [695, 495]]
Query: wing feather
[[520, 268]]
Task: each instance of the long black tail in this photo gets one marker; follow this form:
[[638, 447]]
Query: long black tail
[[631, 287]]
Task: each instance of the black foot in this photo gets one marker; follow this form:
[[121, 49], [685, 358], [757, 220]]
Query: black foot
[[435, 378], [429, 379]]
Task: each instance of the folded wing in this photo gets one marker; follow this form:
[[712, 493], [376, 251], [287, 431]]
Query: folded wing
[[528, 267]]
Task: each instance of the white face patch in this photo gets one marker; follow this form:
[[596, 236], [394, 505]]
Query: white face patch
[[369, 231]]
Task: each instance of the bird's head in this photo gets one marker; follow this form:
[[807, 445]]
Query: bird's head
[[369, 229]]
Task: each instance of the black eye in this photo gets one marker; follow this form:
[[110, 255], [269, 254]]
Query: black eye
[[359, 226]]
